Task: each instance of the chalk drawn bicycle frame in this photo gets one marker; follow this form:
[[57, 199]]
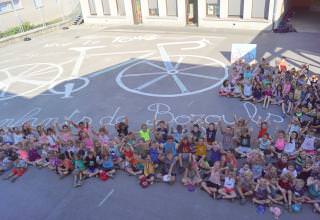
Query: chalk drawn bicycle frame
[[168, 70], [174, 71], [23, 76]]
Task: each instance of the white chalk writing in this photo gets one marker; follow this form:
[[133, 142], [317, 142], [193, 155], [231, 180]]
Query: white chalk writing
[[160, 111]]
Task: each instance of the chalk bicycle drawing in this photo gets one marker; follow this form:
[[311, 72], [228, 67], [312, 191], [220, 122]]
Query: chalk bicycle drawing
[[24, 79], [167, 70], [50, 73], [174, 71], [70, 87]]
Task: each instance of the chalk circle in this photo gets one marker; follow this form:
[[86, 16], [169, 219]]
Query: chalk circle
[[21, 80], [71, 81], [207, 62], [159, 108], [183, 119]]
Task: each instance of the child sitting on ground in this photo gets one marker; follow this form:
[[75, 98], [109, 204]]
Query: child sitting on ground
[[66, 166], [6, 163], [244, 146], [79, 169], [245, 186], [247, 91], [148, 171], [107, 165], [91, 164], [261, 192], [184, 151], [19, 168], [228, 190], [191, 174], [213, 184], [285, 186], [225, 89]]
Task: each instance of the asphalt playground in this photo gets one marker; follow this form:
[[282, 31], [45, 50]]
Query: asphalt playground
[[103, 74]]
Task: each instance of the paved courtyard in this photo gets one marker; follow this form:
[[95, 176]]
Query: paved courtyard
[[104, 74]]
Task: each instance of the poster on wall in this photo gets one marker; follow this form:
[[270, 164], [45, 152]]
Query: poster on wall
[[247, 52]]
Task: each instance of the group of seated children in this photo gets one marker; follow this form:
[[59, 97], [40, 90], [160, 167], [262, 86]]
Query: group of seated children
[[281, 168], [295, 91]]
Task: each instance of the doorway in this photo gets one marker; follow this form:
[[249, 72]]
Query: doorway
[[136, 7], [192, 12]]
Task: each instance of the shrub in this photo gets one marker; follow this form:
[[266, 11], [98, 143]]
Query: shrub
[[15, 30]]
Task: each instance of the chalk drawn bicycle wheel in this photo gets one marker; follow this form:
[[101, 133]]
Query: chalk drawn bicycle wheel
[[191, 74], [25, 79]]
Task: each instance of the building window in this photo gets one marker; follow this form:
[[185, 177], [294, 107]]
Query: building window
[[92, 7], [213, 8], [172, 8], [121, 8], [6, 6], [38, 4], [153, 8], [106, 7], [260, 9], [235, 8]]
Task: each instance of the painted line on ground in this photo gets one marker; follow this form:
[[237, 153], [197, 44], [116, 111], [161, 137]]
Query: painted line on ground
[[98, 73], [106, 198], [119, 53], [160, 32]]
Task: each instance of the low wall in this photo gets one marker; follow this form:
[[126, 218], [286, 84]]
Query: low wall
[[51, 10]]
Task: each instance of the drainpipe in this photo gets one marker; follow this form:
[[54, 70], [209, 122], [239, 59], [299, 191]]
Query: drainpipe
[[273, 14]]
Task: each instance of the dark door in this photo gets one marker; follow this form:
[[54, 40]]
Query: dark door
[[192, 12], [136, 7]]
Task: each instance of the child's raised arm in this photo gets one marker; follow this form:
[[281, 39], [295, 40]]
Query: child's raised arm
[[235, 118], [58, 128], [126, 120], [154, 128], [94, 132], [221, 126], [259, 122], [71, 122], [305, 129]]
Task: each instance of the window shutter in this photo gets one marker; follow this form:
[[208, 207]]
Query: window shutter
[[153, 4], [106, 7], [212, 1], [121, 8], [260, 8], [92, 7], [235, 8], [172, 8]]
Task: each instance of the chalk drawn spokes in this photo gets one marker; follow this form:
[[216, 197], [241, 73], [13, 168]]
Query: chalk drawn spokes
[[22, 80], [166, 69]]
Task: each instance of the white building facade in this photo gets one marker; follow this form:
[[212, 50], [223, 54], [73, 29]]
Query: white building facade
[[240, 14], [15, 12]]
